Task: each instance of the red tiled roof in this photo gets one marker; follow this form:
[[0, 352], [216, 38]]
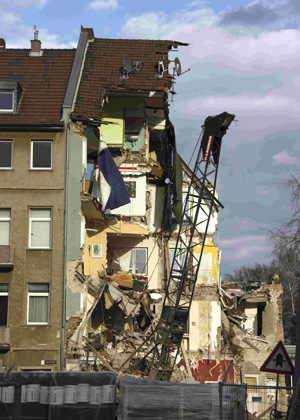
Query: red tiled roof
[[105, 58], [43, 80]]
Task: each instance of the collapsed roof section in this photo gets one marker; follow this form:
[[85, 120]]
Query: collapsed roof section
[[105, 63]]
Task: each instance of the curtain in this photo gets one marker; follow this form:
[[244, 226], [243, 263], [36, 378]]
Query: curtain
[[38, 309]]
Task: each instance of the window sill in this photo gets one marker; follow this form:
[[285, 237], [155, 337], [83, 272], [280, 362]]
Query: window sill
[[40, 169], [6, 267], [38, 249], [6, 169], [36, 325]]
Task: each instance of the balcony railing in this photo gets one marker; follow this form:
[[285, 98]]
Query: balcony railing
[[4, 334], [4, 339], [4, 254], [6, 258]]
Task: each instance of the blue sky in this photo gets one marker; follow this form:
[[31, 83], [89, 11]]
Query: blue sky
[[244, 59]]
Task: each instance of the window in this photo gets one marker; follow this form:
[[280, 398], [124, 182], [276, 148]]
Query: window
[[10, 96], [134, 129], [131, 188], [206, 261], [251, 380], [187, 215], [38, 303], [40, 228], [4, 226], [41, 154], [179, 262], [3, 303], [96, 250], [5, 154], [6, 101], [138, 261]]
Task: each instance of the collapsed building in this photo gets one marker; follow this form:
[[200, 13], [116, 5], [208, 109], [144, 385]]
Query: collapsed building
[[117, 272], [113, 259], [123, 89]]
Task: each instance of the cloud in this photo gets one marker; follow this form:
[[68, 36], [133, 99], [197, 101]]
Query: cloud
[[104, 4], [266, 14], [18, 35], [256, 12], [23, 4], [244, 248], [225, 243], [284, 157], [107, 29], [241, 105], [159, 25], [263, 193], [10, 18]]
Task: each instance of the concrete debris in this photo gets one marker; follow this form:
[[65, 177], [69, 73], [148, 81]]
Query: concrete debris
[[116, 319], [119, 316]]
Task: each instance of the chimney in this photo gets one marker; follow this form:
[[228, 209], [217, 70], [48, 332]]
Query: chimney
[[90, 33], [36, 45], [2, 44]]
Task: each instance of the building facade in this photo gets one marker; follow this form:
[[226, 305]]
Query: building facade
[[32, 195]]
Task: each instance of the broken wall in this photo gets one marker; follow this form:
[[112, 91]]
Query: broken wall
[[121, 256], [136, 183], [76, 165], [205, 322]]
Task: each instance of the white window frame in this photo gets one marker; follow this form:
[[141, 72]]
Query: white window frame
[[39, 219], [41, 294], [95, 255], [189, 209], [133, 268], [3, 168], [5, 294], [6, 219], [31, 154], [250, 375], [8, 92]]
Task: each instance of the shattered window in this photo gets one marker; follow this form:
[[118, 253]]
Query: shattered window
[[5, 154], [41, 154], [38, 303], [3, 303], [6, 101], [138, 261], [131, 188]]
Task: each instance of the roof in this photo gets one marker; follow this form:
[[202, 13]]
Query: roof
[[43, 80], [103, 69]]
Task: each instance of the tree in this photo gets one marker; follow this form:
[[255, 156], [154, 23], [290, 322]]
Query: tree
[[286, 251], [245, 275], [285, 242]]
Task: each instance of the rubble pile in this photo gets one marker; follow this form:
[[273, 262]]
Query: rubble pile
[[121, 313], [117, 319]]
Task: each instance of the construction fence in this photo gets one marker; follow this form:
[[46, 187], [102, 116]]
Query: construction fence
[[261, 402], [59, 396], [93, 396]]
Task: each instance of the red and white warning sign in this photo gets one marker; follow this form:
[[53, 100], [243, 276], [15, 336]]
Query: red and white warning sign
[[278, 361]]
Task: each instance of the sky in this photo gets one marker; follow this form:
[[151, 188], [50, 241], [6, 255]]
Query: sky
[[244, 58]]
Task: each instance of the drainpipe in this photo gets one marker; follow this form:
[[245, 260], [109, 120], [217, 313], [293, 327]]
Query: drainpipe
[[63, 312]]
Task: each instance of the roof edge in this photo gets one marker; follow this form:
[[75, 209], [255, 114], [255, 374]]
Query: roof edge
[[58, 127], [76, 67]]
